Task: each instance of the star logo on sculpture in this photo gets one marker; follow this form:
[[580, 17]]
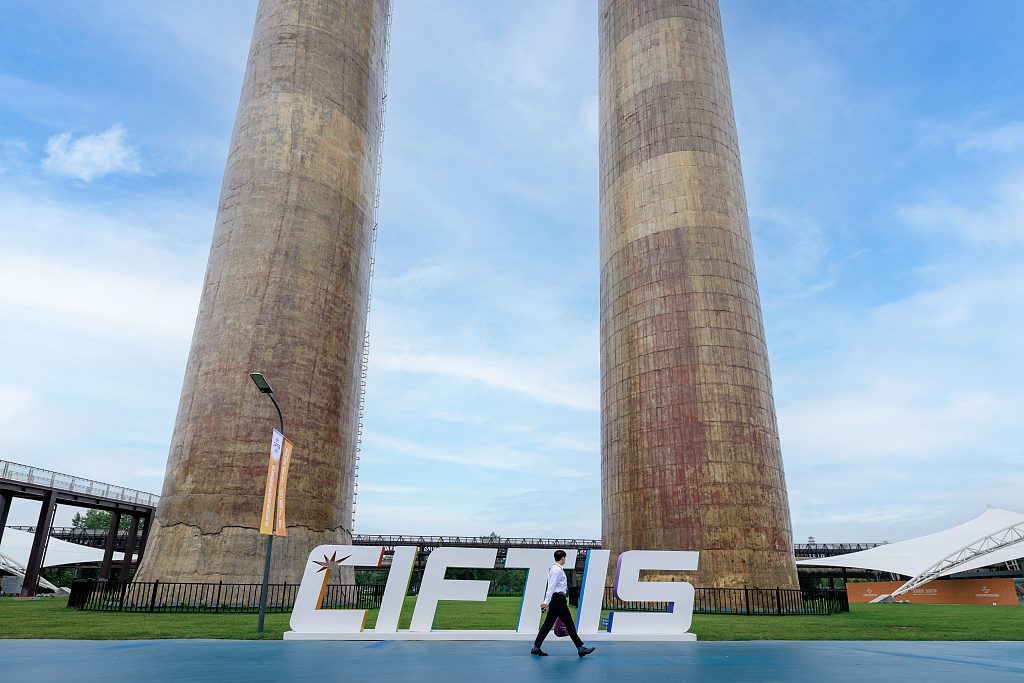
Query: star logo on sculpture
[[331, 563]]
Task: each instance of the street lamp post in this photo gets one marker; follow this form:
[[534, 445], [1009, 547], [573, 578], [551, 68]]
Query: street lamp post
[[264, 387]]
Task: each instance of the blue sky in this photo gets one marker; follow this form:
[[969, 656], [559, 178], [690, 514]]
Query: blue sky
[[883, 153]]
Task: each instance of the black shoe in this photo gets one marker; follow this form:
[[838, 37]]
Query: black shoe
[[584, 651], [537, 651]]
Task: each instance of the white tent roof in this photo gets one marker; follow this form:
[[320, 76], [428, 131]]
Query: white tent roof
[[912, 557], [17, 545]]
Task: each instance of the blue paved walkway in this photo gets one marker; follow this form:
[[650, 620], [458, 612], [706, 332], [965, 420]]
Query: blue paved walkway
[[226, 661]]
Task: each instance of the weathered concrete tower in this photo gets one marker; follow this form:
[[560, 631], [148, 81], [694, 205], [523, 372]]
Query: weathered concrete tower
[[690, 449], [285, 294]]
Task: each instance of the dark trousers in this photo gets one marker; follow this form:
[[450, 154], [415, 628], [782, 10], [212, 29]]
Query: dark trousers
[[558, 609]]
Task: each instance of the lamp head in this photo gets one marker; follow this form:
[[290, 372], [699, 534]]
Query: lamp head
[[261, 383]]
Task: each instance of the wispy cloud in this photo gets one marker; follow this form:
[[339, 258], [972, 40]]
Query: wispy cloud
[[546, 512], [507, 375], [1001, 139], [918, 405], [367, 487], [997, 219], [103, 296], [493, 457], [151, 472], [433, 516], [13, 154], [15, 403], [91, 156]]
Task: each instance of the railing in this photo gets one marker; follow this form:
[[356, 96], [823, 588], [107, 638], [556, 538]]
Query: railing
[[475, 542], [117, 596], [13, 471], [747, 601], [94, 538], [830, 549]]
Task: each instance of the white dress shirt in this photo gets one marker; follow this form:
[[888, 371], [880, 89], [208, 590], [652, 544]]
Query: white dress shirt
[[556, 582]]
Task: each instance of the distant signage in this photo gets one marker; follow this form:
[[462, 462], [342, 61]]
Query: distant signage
[[11, 585], [941, 592], [311, 621]]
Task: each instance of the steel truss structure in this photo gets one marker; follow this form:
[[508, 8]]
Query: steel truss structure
[[1003, 538], [11, 566]]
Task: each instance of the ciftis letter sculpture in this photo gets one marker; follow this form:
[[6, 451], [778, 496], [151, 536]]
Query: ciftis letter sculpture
[[312, 620], [690, 454], [629, 588]]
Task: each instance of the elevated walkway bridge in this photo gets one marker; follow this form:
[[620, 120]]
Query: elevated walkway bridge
[[52, 489]]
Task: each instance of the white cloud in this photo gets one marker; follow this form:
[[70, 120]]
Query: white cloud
[[981, 309], [433, 515], [543, 513], [414, 281], [500, 374], [151, 472], [118, 274], [12, 155], [15, 403], [91, 156], [1003, 139], [366, 487], [795, 252], [1000, 221], [590, 117], [911, 422], [892, 417], [495, 457], [31, 282], [531, 52], [218, 31]]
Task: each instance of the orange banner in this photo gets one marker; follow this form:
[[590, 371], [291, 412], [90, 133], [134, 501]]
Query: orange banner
[[286, 458], [940, 592], [267, 519]]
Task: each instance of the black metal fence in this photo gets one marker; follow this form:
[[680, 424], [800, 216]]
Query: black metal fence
[[116, 596], [747, 601], [778, 601]]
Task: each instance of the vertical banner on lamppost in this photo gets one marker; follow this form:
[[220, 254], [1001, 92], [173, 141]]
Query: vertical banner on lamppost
[[286, 458], [267, 519]]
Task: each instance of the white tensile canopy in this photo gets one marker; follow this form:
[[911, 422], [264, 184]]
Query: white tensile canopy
[[993, 537], [17, 545]]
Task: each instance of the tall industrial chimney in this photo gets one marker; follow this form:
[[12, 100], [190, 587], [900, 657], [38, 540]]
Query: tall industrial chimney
[[690, 456], [286, 295]]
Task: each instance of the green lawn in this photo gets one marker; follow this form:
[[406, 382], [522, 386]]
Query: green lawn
[[50, 618]]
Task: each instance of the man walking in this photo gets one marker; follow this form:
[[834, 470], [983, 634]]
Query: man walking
[[559, 608]]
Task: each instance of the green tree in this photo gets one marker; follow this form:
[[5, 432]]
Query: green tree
[[98, 519], [58, 576]]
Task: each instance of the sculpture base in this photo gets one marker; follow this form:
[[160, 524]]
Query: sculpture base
[[602, 637]]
